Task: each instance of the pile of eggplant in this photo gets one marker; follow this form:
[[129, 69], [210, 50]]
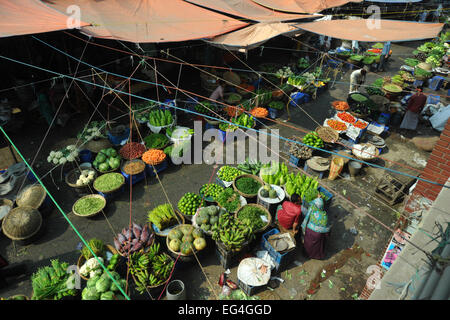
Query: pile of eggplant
[[133, 239]]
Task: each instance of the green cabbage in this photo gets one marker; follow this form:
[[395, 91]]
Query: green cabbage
[[103, 284], [122, 284], [109, 295], [92, 281], [90, 294]]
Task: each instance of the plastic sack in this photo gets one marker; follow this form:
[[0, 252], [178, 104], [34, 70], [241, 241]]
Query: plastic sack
[[425, 143], [440, 118], [337, 164]]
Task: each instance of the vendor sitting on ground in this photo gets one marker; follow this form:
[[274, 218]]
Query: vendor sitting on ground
[[315, 230], [218, 93], [415, 105], [289, 213], [357, 79]]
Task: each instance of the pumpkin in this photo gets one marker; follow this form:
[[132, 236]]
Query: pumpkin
[[200, 244], [175, 245], [186, 248], [186, 229], [197, 233], [175, 234], [188, 238]]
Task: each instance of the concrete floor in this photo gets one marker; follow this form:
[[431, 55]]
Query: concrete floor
[[58, 240]]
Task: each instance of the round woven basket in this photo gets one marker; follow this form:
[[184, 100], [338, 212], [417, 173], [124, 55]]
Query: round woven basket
[[179, 253], [82, 260], [377, 153], [94, 213], [268, 216], [130, 161], [5, 202], [327, 134], [158, 285], [110, 191], [31, 196], [245, 195], [109, 171], [97, 145], [72, 177], [22, 223]]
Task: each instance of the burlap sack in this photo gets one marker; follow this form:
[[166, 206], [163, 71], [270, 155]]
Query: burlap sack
[[425, 143], [336, 167]]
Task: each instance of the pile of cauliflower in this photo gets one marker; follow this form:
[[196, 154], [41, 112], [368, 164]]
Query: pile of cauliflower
[[85, 178], [91, 268], [68, 154], [92, 133], [284, 72]]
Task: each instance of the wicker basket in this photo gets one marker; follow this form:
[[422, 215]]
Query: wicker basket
[[179, 253], [268, 216], [327, 134], [245, 195], [22, 223], [377, 153], [94, 213], [111, 191], [149, 288], [72, 177], [31, 196], [82, 260]]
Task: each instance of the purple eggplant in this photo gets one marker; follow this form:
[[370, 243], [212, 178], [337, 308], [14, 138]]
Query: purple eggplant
[[135, 225], [121, 238], [137, 246], [137, 232], [117, 244], [145, 234]]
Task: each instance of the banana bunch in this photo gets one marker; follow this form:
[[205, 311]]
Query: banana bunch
[[139, 262], [231, 232], [145, 279], [162, 265]]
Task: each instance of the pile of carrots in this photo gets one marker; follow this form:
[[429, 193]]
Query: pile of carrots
[[153, 156], [336, 125], [340, 105], [360, 124], [259, 112], [347, 117]]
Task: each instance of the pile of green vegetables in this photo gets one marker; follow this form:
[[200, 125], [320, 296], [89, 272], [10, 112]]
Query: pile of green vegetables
[[233, 98], [378, 45], [313, 139], [419, 72], [101, 287], [53, 282], [277, 105], [174, 151], [250, 167], [160, 118], [205, 107], [156, 141], [189, 203], [248, 185], [263, 96], [150, 268], [358, 97], [211, 190], [88, 205], [109, 182], [227, 127], [274, 173], [232, 232], [411, 62], [244, 120], [391, 87], [253, 214], [228, 174], [302, 63], [229, 200], [268, 192], [304, 186], [208, 216], [375, 88], [107, 160], [163, 216], [356, 57]]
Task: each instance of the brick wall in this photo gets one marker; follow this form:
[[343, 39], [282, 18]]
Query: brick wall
[[437, 168]]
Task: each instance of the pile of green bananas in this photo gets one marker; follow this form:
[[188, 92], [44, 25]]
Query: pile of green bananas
[[231, 232], [150, 268]]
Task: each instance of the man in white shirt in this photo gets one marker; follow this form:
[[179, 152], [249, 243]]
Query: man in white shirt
[[218, 93], [357, 78]]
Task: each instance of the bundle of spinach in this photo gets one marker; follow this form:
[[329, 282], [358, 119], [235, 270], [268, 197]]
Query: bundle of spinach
[[253, 214], [229, 200], [156, 141], [248, 185]]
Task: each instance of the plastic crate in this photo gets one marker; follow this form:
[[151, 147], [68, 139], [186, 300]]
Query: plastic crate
[[250, 290], [293, 161], [230, 259], [435, 83], [298, 98], [160, 167], [117, 140], [433, 99], [281, 260]]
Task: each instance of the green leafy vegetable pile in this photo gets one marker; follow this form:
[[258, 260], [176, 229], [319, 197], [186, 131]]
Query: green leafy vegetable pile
[[248, 185], [253, 214], [88, 205], [229, 200], [156, 141], [109, 182]]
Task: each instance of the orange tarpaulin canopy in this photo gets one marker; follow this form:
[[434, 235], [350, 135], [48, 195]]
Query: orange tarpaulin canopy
[[150, 20], [302, 6], [252, 36], [361, 30], [249, 10], [19, 17]]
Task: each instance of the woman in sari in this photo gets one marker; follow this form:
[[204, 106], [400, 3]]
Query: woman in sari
[[315, 229]]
